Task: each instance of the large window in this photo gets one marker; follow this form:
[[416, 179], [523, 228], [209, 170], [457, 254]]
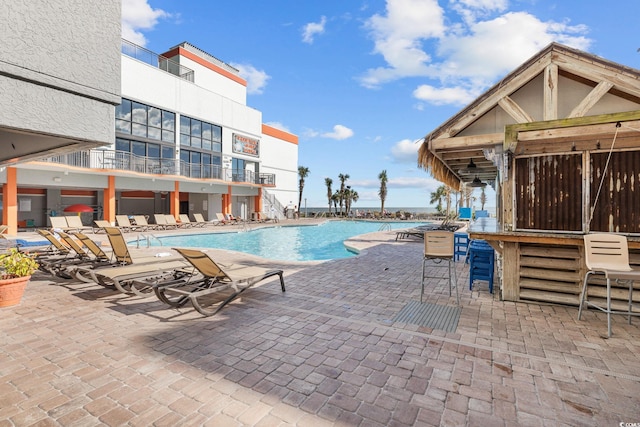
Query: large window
[[200, 135], [144, 121], [197, 164]]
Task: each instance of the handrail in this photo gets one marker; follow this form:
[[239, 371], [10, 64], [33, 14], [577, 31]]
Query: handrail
[[385, 227], [147, 237]]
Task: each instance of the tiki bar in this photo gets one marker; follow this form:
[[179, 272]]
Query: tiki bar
[[558, 139]]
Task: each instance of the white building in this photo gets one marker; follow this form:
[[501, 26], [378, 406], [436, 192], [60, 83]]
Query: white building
[[182, 140]]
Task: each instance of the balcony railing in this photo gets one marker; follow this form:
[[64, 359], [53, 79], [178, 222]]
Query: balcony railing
[[159, 61], [125, 161]]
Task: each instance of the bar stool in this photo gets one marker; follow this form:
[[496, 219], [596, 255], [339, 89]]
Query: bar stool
[[460, 246], [481, 263]]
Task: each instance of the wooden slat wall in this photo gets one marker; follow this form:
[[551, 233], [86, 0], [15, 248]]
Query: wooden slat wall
[[618, 205], [549, 192], [555, 274]]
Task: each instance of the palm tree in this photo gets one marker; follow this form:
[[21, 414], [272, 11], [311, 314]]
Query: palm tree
[[437, 196], [328, 182], [350, 196], [383, 189], [343, 178], [335, 198], [302, 173]]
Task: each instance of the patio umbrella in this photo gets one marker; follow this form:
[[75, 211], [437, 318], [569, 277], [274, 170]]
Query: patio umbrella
[[78, 208]]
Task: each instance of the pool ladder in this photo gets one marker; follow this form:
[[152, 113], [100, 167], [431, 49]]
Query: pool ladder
[[385, 227], [148, 238]]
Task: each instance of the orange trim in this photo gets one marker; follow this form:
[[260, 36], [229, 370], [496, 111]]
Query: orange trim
[[10, 201], [195, 58], [137, 194], [109, 200], [77, 193], [34, 191], [184, 197], [257, 201], [280, 134]]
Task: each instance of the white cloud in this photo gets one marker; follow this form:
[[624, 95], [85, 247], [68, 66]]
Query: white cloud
[[256, 79], [445, 95], [279, 125], [138, 15], [405, 151], [462, 53], [312, 29], [339, 132]]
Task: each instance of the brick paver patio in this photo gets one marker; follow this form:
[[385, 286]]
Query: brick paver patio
[[326, 352]]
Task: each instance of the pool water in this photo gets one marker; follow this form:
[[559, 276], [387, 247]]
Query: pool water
[[290, 243]]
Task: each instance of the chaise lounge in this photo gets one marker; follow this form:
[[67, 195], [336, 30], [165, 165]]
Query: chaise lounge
[[203, 290]]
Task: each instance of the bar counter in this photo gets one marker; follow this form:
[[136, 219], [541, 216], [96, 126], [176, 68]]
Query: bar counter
[[540, 266]]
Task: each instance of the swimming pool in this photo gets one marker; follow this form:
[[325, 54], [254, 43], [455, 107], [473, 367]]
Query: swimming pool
[[287, 243]]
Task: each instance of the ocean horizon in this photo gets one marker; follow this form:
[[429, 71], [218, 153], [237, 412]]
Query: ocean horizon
[[391, 209]]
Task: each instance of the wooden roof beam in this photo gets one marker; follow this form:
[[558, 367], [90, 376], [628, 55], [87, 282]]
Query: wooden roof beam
[[550, 93], [591, 99], [514, 110], [459, 143]]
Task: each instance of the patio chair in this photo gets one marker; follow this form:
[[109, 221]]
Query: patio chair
[[66, 267], [438, 248], [142, 224], [58, 223], [200, 221], [221, 218], [3, 228], [161, 222], [608, 255], [100, 224], [122, 279], [74, 223], [123, 223], [185, 221], [213, 279]]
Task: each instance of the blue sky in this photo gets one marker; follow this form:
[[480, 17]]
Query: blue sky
[[360, 81]]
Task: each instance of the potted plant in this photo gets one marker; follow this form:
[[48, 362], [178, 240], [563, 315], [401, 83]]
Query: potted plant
[[16, 269]]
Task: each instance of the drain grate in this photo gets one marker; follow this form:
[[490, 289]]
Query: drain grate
[[434, 316]]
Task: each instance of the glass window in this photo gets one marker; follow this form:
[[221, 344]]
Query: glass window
[[123, 111], [122, 145], [167, 152], [153, 133], [168, 136], [155, 117], [206, 131], [196, 128], [139, 113], [123, 126], [168, 120], [139, 148], [185, 140], [153, 150], [185, 125], [216, 133], [139, 130]]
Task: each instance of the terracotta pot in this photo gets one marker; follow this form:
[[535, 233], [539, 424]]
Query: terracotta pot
[[11, 290]]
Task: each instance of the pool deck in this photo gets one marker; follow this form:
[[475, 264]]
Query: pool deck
[[330, 351]]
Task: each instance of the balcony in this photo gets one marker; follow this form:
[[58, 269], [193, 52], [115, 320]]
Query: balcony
[[129, 162], [158, 61]]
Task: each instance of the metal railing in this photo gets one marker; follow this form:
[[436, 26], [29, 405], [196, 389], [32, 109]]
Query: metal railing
[[158, 61], [126, 161]]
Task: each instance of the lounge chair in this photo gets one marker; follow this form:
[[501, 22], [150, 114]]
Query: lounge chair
[[67, 266], [100, 224], [171, 222], [215, 278], [161, 221], [74, 223], [185, 221], [59, 223], [221, 218], [142, 224], [122, 278], [200, 222], [3, 228], [123, 223]]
